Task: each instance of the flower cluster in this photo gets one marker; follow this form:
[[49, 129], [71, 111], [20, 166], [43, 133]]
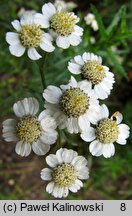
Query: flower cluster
[[74, 107], [90, 20], [30, 32]]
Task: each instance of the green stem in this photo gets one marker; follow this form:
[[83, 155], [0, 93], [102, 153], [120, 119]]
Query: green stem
[[41, 69]]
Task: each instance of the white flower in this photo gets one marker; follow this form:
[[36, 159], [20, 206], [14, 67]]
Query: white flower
[[22, 12], [90, 20], [29, 35], [73, 106], [63, 25], [107, 131], [30, 131], [69, 6], [66, 170], [91, 68]]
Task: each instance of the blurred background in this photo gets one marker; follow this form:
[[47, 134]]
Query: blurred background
[[19, 78]]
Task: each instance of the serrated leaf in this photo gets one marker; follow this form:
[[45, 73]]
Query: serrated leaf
[[116, 63]]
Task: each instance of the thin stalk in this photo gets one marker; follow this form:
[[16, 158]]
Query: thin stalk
[[41, 66]]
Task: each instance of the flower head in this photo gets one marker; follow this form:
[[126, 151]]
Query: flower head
[[69, 6], [29, 35], [107, 131], [29, 130], [66, 168], [23, 12], [73, 105], [90, 20], [62, 23], [91, 68]]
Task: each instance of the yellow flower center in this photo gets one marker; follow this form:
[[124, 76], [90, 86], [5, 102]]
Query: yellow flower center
[[107, 131], [28, 129], [31, 35], [63, 23], [93, 71], [74, 102], [64, 175]]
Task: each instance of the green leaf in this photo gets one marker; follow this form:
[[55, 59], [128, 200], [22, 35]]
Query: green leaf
[[98, 17], [124, 27], [116, 63], [116, 20], [123, 36]]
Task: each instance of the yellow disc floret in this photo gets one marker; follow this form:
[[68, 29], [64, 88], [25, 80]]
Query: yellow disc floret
[[63, 23], [31, 35], [64, 175], [28, 129], [74, 102], [107, 131], [93, 71]]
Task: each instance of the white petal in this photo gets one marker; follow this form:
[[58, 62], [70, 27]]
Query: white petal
[[74, 39], [9, 123], [40, 19], [46, 44], [85, 86], [48, 123], [9, 136], [72, 83], [108, 150], [27, 19], [78, 59], [79, 161], [68, 155], [9, 130], [101, 94], [121, 141], [12, 38], [19, 109], [40, 148], [65, 192], [78, 30], [43, 114], [78, 183], [74, 68], [16, 25], [86, 57], [83, 173], [63, 42], [49, 137], [59, 155], [72, 125], [48, 9], [17, 50], [74, 188], [88, 135], [52, 160], [49, 187], [31, 105], [33, 54], [124, 130], [23, 149], [52, 94], [25, 107], [104, 112], [58, 191], [95, 147], [84, 123], [46, 174]]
